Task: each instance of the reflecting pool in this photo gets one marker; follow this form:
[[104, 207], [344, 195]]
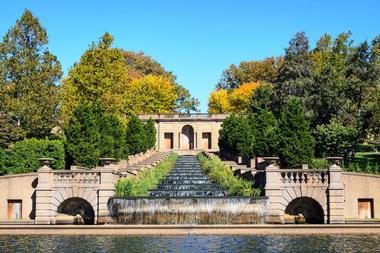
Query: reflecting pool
[[325, 243]]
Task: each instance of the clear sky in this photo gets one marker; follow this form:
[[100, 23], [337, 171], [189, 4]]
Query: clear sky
[[196, 39]]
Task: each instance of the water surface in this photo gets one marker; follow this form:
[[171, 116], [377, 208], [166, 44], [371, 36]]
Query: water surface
[[98, 243]]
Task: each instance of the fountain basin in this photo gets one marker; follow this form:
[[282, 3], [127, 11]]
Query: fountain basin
[[188, 210]]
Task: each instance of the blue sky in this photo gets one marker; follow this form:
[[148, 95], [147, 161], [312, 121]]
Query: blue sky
[[196, 39]]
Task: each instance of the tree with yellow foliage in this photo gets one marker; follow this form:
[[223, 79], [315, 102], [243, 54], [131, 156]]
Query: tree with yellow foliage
[[218, 102], [151, 94], [240, 97], [237, 100]]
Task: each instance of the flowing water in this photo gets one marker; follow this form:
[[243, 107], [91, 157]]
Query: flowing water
[[188, 196], [152, 244]]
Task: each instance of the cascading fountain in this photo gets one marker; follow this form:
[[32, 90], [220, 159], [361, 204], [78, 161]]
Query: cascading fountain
[[188, 196]]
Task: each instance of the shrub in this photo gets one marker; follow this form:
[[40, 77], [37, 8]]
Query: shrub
[[147, 180], [296, 142], [224, 176], [22, 156], [319, 164]]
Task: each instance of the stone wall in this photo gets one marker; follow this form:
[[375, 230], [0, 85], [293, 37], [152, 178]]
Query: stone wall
[[18, 187], [360, 186]]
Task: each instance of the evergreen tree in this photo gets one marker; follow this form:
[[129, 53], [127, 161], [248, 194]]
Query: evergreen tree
[[83, 135], [135, 136], [296, 74], [235, 137], [265, 132], [112, 141], [296, 144], [261, 98], [150, 133], [28, 77]]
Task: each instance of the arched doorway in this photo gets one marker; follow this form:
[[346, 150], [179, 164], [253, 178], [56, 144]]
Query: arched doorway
[[187, 140], [308, 207], [74, 206]]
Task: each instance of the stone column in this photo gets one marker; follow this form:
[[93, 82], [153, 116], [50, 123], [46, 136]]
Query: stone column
[[44, 209], [106, 191], [335, 192], [273, 191]]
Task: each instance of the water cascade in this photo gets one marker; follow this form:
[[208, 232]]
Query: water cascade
[[188, 196]]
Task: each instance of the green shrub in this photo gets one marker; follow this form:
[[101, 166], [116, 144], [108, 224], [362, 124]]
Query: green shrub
[[224, 176], [22, 156], [147, 179], [150, 133], [319, 163]]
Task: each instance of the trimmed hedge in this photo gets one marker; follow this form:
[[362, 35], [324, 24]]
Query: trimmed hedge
[[224, 176], [21, 157], [147, 180]]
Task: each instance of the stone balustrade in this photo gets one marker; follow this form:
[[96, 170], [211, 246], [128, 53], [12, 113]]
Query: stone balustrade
[[301, 176]]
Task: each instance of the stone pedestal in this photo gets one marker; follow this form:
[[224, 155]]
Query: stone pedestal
[[105, 192], [43, 196], [336, 195], [274, 194]]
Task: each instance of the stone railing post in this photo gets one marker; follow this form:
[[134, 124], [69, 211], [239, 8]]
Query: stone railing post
[[335, 192], [273, 190], [106, 190], [44, 211]]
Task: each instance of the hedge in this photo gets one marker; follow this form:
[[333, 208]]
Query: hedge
[[224, 176], [21, 157], [148, 179]]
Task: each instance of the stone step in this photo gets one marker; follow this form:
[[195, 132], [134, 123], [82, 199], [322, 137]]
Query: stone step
[[187, 193]]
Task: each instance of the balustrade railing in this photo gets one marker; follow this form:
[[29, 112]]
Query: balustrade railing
[[292, 176], [77, 177]]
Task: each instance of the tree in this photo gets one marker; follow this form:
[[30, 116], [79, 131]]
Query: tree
[[151, 94], [112, 140], [296, 73], [336, 139], [10, 132], [83, 135], [185, 103], [261, 98], [101, 76], [135, 136], [235, 137], [250, 71], [28, 77], [150, 133], [265, 133], [296, 144], [239, 98], [218, 102]]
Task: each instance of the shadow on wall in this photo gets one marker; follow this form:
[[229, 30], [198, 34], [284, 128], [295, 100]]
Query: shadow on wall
[[32, 214]]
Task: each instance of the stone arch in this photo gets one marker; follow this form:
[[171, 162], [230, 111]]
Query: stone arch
[[310, 208], [73, 206], [187, 137]]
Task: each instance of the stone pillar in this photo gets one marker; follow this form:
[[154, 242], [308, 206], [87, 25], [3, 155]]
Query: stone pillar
[[106, 190], [44, 209], [335, 192], [273, 191]]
